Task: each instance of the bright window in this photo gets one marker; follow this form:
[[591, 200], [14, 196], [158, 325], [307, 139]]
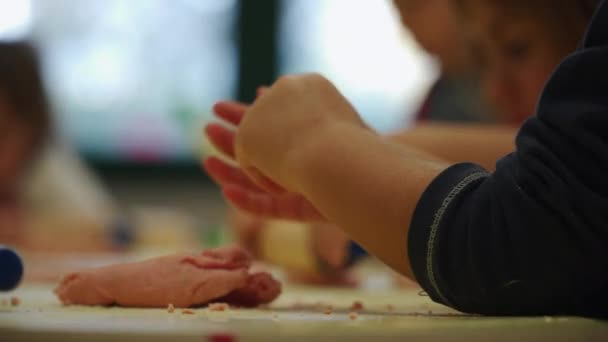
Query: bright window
[[361, 46], [134, 79]]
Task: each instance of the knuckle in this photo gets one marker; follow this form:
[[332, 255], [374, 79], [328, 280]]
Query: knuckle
[[317, 79], [241, 143], [309, 78], [285, 80]]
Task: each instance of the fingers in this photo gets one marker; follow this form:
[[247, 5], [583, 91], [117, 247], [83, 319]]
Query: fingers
[[223, 174], [233, 111], [263, 181], [292, 207], [222, 138], [260, 91], [302, 210], [258, 204], [230, 111]]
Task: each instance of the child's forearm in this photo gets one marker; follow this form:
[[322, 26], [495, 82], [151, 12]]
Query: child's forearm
[[482, 144], [366, 185]]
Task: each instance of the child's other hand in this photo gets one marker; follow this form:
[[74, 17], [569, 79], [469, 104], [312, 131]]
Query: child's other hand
[[328, 244], [247, 230]]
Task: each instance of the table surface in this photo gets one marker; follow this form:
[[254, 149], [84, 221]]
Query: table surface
[[298, 315]]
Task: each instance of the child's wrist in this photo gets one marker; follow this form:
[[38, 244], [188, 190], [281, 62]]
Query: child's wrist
[[311, 152]]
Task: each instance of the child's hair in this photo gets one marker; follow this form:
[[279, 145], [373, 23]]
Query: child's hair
[[568, 19], [22, 88]]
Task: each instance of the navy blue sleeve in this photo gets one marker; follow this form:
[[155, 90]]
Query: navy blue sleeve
[[532, 237]]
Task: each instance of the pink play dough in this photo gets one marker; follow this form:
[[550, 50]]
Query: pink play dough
[[184, 280]]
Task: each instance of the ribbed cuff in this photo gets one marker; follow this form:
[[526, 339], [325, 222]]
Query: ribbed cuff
[[430, 217]]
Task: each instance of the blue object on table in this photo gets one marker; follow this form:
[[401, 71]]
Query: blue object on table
[[355, 253], [121, 233], [11, 269]]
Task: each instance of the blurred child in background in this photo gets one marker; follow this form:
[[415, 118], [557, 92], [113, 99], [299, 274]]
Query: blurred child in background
[[45, 190], [454, 97], [517, 44], [24, 127]]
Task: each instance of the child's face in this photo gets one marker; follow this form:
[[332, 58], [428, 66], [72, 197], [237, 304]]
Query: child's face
[[516, 55], [15, 143], [433, 24]]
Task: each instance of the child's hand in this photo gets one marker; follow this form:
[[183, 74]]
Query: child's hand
[[328, 244], [284, 118], [238, 188], [246, 230], [280, 125]]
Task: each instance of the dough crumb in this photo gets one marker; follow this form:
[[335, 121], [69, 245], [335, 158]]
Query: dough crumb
[[390, 307], [187, 312], [353, 316], [222, 337], [218, 307], [170, 308], [15, 301], [356, 306], [328, 310]]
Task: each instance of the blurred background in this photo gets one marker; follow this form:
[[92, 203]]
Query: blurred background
[[131, 83]]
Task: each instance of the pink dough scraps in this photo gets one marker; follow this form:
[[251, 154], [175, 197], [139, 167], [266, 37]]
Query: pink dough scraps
[[183, 280]]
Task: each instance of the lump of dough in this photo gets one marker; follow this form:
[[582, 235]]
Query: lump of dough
[[261, 288], [184, 280]]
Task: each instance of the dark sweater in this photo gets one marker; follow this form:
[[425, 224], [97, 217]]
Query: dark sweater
[[532, 237]]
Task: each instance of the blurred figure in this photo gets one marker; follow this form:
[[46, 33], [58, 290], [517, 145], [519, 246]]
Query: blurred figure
[[517, 44], [24, 126], [454, 97], [45, 189], [514, 47]]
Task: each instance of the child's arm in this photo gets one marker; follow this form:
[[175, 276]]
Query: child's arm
[[529, 239], [367, 186], [482, 144]]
